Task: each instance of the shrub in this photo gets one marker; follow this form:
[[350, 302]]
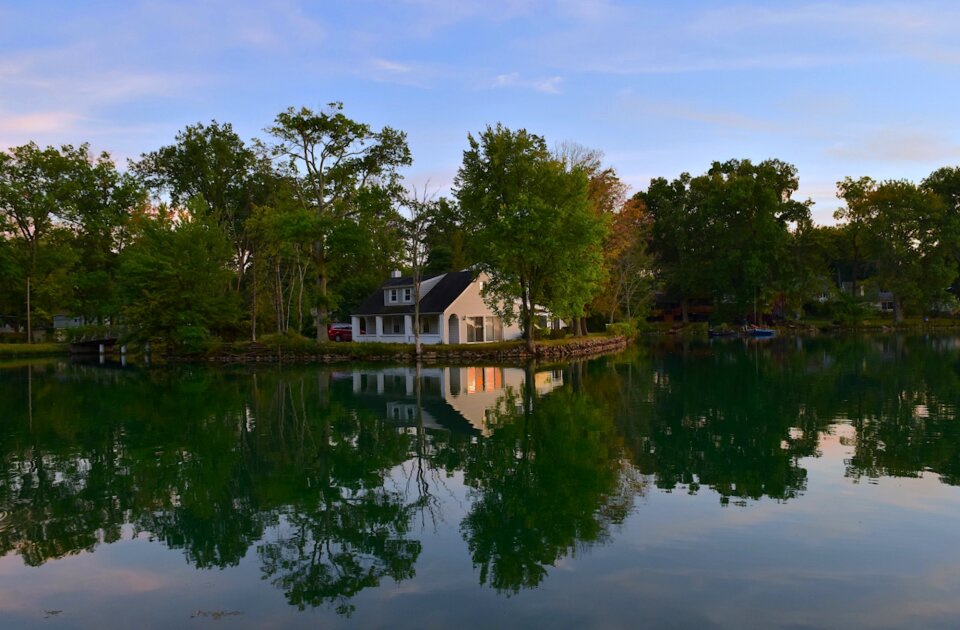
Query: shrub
[[622, 329]]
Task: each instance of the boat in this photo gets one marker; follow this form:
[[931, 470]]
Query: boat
[[760, 332]]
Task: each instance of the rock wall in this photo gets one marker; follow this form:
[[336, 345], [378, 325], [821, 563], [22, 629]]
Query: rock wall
[[576, 347]]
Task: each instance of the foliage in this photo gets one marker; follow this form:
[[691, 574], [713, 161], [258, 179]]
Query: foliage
[[175, 281], [345, 173], [622, 329], [903, 227], [529, 226], [722, 234]]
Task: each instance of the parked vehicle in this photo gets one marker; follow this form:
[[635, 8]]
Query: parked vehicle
[[340, 332]]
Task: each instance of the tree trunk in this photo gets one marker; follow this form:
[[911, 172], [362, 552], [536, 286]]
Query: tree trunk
[[685, 310], [323, 314], [253, 314], [897, 310], [529, 332], [29, 316]]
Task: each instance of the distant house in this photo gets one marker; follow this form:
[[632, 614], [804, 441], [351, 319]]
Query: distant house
[[62, 321], [451, 311]]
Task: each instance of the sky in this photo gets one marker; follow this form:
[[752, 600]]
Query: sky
[[838, 89]]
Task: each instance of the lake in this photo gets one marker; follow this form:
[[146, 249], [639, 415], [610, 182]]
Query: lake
[[773, 483]]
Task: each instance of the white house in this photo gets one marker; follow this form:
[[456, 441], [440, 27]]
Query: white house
[[451, 311]]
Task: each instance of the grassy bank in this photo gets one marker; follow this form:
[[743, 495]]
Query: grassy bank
[[33, 349]]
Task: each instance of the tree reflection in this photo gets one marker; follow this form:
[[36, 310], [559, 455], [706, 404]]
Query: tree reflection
[[341, 530], [546, 482]]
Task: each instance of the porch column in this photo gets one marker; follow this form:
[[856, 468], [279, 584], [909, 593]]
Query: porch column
[[408, 328], [379, 330], [355, 327], [442, 328]]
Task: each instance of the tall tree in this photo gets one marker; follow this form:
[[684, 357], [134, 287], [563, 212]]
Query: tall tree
[[48, 196], [422, 210], [607, 194], [903, 235], [345, 173], [854, 219], [722, 233], [212, 163], [530, 226], [678, 238], [945, 183]]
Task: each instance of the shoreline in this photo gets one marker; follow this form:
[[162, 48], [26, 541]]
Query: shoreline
[[504, 352]]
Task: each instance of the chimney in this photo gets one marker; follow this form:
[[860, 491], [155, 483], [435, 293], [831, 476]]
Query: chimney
[[395, 273]]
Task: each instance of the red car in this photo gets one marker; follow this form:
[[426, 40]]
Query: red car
[[340, 332]]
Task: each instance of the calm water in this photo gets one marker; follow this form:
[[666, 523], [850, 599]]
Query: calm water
[[789, 483]]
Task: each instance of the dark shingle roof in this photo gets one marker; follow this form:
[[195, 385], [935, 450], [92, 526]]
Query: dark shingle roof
[[442, 295]]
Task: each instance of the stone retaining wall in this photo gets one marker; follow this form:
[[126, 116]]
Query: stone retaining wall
[[577, 347]]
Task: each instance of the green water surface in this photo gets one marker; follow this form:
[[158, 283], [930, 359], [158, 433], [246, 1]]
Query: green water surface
[[780, 483]]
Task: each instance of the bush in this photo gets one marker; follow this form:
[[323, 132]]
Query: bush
[[622, 329]]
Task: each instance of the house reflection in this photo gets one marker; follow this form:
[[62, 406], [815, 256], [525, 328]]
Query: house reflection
[[451, 398]]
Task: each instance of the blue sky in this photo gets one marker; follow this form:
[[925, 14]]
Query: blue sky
[[836, 88]]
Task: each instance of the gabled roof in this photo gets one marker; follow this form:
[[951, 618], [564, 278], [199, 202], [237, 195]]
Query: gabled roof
[[441, 296]]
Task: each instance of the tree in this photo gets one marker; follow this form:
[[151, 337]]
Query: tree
[[58, 202], [678, 239], [903, 224], [422, 210], [446, 241], [102, 202], [854, 218], [175, 279], [529, 225], [345, 173], [31, 193], [212, 163], [721, 234], [621, 248], [945, 183], [630, 279]]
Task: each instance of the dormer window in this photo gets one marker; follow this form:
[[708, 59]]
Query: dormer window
[[408, 296], [393, 296]]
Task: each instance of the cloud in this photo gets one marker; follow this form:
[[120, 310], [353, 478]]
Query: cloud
[[38, 123], [898, 145], [547, 85], [683, 111]]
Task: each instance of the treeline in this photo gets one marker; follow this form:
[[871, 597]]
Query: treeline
[[217, 236]]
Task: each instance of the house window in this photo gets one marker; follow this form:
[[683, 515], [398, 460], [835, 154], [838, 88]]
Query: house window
[[393, 296], [393, 325], [408, 295], [425, 325], [474, 329], [480, 329]]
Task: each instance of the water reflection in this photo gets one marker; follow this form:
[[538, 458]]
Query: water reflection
[[334, 481]]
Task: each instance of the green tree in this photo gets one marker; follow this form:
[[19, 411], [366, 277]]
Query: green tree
[[945, 183], [212, 163], [530, 226], [31, 194], [102, 202], [346, 174], [903, 235], [175, 279], [721, 234]]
